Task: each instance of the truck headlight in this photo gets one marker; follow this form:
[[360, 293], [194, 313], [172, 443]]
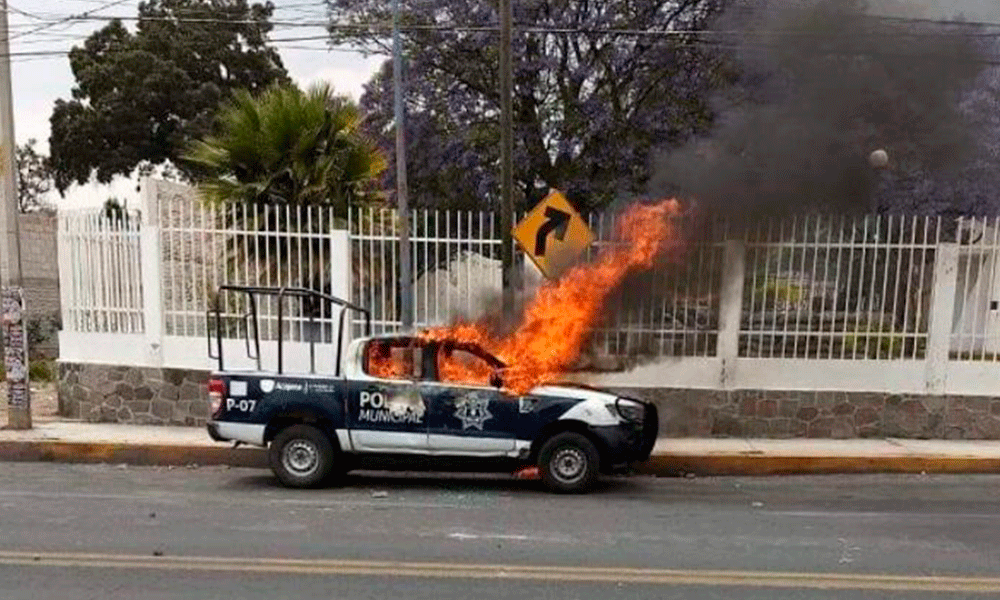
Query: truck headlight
[[630, 410]]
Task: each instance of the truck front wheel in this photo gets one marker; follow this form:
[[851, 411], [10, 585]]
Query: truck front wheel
[[302, 456], [568, 463]]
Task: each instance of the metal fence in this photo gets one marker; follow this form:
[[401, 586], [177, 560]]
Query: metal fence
[[102, 256], [455, 257], [205, 246], [975, 334], [458, 273], [839, 288], [812, 287]]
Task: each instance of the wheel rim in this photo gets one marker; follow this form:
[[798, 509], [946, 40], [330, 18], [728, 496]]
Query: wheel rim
[[300, 457], [569, 465]]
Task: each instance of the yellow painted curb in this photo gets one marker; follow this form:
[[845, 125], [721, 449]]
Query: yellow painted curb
[[132, 454], [676, 465], [662, 465]]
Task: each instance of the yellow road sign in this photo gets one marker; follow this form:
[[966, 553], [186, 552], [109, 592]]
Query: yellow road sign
[[553, 234]]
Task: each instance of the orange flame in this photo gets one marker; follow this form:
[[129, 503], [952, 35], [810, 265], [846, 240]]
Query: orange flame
[[555, 325], [388, 362]]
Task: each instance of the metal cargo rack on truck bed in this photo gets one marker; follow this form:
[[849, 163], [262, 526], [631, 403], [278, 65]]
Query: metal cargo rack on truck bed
[[251, 317]]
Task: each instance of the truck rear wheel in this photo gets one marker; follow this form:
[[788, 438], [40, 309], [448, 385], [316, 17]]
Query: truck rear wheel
[[302, 456], [569, 463]]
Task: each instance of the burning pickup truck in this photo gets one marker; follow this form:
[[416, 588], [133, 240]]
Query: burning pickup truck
[[396, 402], [456, 396]]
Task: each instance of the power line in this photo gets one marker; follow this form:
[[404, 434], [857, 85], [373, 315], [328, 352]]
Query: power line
[[385, 28], [27, 14], [85, 14], [280, 43], [41, 54], [703, 37]]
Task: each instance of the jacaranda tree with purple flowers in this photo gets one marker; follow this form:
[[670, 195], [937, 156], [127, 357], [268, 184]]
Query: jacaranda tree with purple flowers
[[590, 101]]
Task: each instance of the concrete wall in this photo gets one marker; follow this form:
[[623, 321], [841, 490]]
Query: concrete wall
[[40, 269], [38, 262]]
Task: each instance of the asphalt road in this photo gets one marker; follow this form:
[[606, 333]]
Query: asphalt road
[[78, 531]]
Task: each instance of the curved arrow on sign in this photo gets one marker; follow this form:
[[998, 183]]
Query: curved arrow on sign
[[556, 221]]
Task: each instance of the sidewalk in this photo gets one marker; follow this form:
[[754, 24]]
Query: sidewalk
[[68, 441]]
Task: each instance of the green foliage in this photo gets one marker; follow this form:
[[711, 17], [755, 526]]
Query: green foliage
[[286, 149], [140, 98], [42, 371], [34, 178], [872, 341], [286, 146], [779, 294]]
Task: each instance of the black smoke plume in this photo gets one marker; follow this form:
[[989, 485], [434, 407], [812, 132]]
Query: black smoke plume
[[821, 84]]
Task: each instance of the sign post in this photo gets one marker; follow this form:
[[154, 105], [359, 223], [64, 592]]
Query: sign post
[[554, 235]]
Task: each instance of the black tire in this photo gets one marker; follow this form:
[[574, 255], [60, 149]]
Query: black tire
[[302, 456], [569, 463]]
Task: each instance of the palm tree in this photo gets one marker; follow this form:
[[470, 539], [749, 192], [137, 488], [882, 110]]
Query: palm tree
[[279, 156], [287, 146], [279, 152]]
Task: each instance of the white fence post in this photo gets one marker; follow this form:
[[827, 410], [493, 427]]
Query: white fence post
[[151, 257], [731, 309], [340, 276], [66, 265], [940, 317]]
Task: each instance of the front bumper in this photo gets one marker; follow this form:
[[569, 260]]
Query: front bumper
[[629, 442], [650, 431]]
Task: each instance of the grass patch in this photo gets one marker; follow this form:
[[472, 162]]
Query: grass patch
[[42, 371]]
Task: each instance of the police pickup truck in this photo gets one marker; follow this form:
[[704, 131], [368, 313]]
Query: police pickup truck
[[364, 415]]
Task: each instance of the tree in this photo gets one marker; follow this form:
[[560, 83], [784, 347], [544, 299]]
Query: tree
[[589, 104], [34, 178], [285, 148], [115, 212], [140, 98]]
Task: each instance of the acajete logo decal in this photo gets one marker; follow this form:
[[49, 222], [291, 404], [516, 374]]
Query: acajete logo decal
[[269, 385]]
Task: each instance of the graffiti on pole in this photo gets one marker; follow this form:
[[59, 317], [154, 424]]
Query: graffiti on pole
[[15, 347]]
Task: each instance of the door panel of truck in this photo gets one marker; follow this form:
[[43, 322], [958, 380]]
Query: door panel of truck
[[468, 416], [388, 413]]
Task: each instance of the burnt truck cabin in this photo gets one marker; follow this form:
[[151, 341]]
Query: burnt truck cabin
[[407, 402]]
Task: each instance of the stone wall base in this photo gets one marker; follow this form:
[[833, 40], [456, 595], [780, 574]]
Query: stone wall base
[[838, 415], [137, 395], [119, 394]]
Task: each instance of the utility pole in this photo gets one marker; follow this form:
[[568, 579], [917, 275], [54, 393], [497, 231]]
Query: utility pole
[[402, 199], [12, 293], [506, 159]]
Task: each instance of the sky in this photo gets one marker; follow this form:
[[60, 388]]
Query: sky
[[37, 81]]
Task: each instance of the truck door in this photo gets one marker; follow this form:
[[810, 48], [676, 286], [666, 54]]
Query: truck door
[[386, 411], [466, 415]]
